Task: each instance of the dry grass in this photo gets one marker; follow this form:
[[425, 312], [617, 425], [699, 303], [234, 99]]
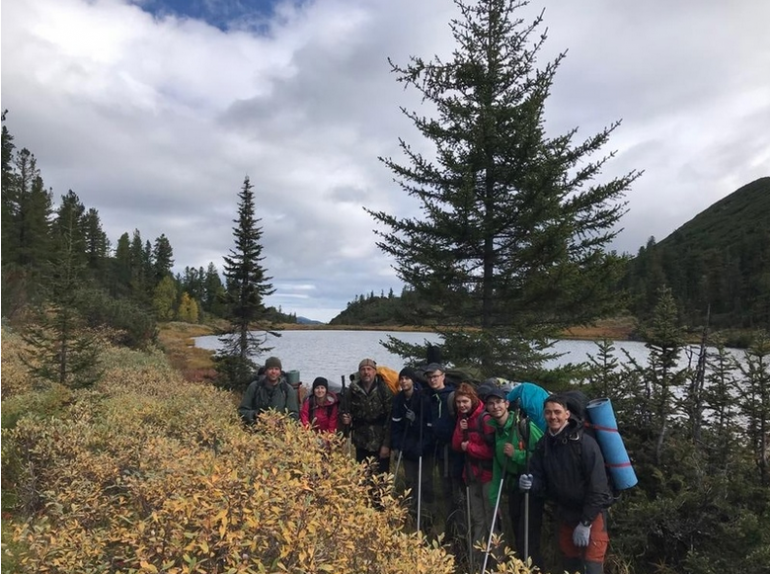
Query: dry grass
[[619, 328], [616, 329], [325, 327], [195, 364]]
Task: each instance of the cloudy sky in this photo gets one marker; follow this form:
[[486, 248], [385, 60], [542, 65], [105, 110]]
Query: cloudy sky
[[154, 111]]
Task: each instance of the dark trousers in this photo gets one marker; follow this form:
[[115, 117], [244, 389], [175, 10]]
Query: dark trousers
[[379, 465], [516, 509], [411, 473], [449, 466]]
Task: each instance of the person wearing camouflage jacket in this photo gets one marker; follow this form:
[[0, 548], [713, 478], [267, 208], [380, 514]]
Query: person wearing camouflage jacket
[[366, 408]]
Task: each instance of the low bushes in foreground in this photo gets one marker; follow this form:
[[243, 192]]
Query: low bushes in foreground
[[148, 473]]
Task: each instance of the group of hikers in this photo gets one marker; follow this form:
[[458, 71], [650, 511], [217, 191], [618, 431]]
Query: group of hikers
[[476, 444]]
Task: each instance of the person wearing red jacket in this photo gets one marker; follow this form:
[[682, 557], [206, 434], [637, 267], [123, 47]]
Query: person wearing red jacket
[[320, 409], [475, 439]]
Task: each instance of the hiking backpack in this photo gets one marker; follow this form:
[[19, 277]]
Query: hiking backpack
[[577, 404]]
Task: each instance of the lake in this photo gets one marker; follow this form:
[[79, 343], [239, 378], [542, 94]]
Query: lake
[[333, 354]]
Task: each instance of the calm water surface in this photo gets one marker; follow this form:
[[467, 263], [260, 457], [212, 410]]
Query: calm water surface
[[332, 354]]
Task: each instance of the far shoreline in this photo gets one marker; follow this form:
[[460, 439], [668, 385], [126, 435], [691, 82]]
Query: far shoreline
[[615, 329], [618, 329]]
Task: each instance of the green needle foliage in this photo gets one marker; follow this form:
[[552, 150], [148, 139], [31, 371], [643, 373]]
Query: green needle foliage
[[247, 287], [63, 348], [510, 247]]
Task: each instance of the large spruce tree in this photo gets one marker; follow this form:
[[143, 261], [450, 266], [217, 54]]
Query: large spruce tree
[[247, 285], [511, 244]]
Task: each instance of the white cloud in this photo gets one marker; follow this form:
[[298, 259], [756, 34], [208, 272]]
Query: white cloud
[[155, 121]]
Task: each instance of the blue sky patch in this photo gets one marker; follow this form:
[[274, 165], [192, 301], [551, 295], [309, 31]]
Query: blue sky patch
[[224, 14]]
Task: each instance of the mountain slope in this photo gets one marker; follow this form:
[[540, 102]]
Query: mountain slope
[[718, 262], [744, 214]]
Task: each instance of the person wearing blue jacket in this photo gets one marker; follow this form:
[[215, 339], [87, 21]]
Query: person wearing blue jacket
[[411, 436], [530, 398]]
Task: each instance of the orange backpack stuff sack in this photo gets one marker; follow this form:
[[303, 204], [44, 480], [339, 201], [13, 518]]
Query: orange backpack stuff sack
[[390, 377]]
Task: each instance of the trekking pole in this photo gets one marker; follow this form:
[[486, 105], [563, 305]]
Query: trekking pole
[[469, 533], [497, 507], [492, 529], [419, 490], [398, 463], [419, 471], [525, 441], [400, 454], [346, 411]]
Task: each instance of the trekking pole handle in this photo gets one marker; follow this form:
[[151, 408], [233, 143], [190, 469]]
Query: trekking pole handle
[[344, 408]]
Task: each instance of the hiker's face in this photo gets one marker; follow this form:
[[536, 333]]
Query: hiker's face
[[464, 404], [367, 374], [497, 407], [273, 374], [556, 416], [319, 392], [436, 380], [406, 384]]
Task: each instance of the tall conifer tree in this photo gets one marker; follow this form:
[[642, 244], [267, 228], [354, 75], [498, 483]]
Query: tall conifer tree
[[66, 350], [247, 287], [97, 246], [511, 243], [162, 258], [213, 301]]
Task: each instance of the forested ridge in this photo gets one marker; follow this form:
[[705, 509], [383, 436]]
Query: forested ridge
[[719, 261], [55, 252]]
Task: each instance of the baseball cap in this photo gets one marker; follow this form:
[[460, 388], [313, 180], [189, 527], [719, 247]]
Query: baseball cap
[[433, 367], [496, 392]]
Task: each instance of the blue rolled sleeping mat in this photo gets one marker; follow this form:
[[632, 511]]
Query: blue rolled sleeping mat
[[616, 458]]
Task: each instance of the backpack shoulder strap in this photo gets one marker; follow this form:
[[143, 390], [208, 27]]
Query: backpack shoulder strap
[[524, 430], [383, 390], [450, 404], [481, 423]]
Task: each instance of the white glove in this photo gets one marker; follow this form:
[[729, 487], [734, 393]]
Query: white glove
[[581, 535], [525, 482]]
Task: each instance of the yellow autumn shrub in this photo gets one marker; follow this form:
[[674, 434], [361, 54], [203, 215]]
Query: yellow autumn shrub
[[148, 473], [16, 378]]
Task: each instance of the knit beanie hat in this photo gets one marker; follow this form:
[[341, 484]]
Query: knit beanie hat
[[407, 372], [367, 363], [320, 382], [273, 362]]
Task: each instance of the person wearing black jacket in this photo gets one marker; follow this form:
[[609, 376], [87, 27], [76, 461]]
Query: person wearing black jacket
[[568, 467], [448, 462], [410, 434]]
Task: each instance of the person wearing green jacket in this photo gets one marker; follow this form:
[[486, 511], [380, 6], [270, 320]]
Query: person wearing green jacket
[[269, 391], [512, 452]]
